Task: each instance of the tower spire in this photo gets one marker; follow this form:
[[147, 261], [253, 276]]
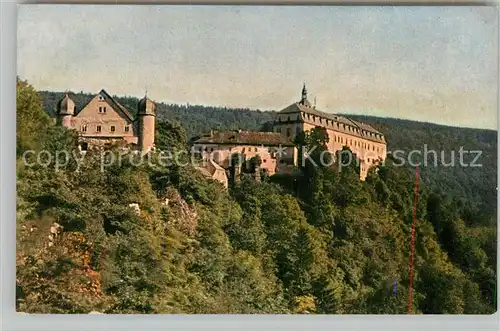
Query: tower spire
[[304, 100], [304, 92]]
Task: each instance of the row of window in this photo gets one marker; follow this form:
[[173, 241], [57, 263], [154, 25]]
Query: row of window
[[340, 140], [337, 124], [243, 150], [99, 129], [356, 143], [102, 109]]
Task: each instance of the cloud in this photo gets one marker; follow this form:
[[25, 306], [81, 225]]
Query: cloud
[[369, 59]]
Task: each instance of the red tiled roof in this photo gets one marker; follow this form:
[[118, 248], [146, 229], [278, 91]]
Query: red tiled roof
[[245, 138]]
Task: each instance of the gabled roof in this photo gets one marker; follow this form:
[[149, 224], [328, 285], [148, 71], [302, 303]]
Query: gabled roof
[[245, 138], [117, 105]]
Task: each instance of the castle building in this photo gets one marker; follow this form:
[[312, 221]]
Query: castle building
[[274, 150], [365, 142], [103, 120]]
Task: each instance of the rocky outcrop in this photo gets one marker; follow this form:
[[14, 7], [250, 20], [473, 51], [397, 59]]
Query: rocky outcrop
[[46, 249], [135, 207], [178, 212], [55, 230]]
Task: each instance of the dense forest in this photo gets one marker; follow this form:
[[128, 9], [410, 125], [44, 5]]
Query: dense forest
[[316, 242]]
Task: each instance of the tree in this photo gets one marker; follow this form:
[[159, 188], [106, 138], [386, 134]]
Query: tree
[[31, 120]]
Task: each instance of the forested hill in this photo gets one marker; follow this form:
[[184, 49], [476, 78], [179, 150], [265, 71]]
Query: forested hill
[[474, 182], [318, 241], [475, 186]]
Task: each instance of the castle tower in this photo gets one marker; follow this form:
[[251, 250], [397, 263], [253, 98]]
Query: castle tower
[[303, 100], [146, 117], [65, 111]]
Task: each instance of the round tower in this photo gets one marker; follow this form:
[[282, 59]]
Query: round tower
[[65, 111], [146, 117]]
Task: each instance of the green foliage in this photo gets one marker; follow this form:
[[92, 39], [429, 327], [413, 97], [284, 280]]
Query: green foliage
[[32, 121], [170, 136], [319, 242]]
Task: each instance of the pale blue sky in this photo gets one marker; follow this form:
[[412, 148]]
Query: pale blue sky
[[436, 64]]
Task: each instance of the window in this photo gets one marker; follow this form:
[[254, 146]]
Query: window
[[368, 159], [104, 110], [84, 128], [100, 109], [289, 119], [243, 150], [112, 129], [98, 128], [211, 149], [288, 132], [126, 129], [84, 146], [264, 160], [101, 98]]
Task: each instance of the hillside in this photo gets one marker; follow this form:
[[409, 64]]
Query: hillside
[[476, 186], [319, 242]]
